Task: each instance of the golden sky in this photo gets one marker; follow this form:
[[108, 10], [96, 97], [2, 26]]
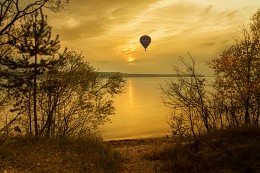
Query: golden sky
[[107, 32]]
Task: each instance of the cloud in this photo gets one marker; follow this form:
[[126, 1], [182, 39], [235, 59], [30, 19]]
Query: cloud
[[230, 14], [107, 32], [208, 9], [92, 18], [73, 29], [208, 44]]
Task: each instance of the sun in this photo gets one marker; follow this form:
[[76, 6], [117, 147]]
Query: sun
[[130, 59]]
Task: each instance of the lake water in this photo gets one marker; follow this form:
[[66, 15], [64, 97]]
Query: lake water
[[140, 112]]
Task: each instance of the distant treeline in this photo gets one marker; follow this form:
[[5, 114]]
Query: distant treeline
[[108, 74]]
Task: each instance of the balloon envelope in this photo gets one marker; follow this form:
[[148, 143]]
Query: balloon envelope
[[145, 40]]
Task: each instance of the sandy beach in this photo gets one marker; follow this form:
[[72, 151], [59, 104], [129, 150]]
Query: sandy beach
[[138, 155]]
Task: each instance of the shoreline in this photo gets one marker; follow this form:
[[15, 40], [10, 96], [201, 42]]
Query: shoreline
[[136, 138], [162, 138], [155, 142]]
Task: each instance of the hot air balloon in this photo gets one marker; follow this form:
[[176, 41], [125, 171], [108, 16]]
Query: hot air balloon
[[145, 40]]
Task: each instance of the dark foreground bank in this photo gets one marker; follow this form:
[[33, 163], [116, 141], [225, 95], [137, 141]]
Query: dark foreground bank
[[230, 150], [57, 155], [235, 150]]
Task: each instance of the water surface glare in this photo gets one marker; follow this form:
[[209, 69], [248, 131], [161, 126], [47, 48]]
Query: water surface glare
[[140, 112]]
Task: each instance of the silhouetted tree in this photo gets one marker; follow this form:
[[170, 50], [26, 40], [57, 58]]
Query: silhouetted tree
[[24, 70], [71, 96], [238, 75], [233, 99], [74, 99], [11, 14], [11, 11], [187, 97]]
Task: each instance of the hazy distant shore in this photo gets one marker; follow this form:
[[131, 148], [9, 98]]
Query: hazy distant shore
[[125, 75]]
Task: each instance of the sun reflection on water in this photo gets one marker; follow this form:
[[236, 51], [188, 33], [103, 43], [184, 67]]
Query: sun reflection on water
[[130, 92], [139, 111]]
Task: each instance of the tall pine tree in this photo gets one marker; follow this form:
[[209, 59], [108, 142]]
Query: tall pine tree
[[35, 50]]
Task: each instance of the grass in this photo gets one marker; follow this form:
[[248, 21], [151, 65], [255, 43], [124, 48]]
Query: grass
[[229, 150], [88, 154]]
